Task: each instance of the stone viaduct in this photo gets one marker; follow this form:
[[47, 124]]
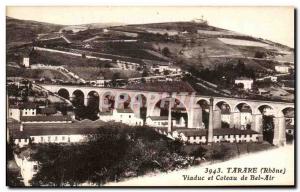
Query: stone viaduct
[[189, 101]]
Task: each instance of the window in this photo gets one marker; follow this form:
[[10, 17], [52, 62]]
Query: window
[[10, 113], [25, 113], [20, 140], [69, 140], [25, 140], [55, 138], [42, 139], [49, 138], [32, 138], [32, 112], [35, 167], [63, 138], [129, 116]]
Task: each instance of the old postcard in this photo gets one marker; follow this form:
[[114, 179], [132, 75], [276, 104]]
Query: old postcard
[[103, 96]]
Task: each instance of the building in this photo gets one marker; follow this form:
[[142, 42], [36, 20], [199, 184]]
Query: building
[[26, 61], [162, 68], [127, 65], [199, 136], [126, 116], [273, 78], [159, 121], [40, 134], [46, 119], [247, 82], [282, 68], [162, 121], [17, 111]]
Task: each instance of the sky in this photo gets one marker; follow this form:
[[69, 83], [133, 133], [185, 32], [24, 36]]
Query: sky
[[273, 23]]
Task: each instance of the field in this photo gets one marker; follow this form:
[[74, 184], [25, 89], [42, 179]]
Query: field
[[242, 42], [52, 58], [35, 73], [94, 73], [20, 31]]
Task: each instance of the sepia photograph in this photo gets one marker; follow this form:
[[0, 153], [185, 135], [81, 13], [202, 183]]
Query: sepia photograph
[[150, 96]]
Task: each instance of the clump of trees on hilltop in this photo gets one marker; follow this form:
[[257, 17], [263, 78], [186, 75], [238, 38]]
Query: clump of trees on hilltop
[[224, 75]]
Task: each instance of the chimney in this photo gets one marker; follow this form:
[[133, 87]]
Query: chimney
[[21, 127]]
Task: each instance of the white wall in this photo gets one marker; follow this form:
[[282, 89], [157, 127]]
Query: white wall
[[14, 114], [28, 112]]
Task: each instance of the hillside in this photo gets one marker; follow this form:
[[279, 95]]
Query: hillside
[[24, 31]]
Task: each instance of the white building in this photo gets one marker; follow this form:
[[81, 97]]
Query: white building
[[282, 68], [247, 82], [126, 116], [46, 119], [273, 78], [26, 62], [16, 112], [127, 65], [162, 121], [162, 68]]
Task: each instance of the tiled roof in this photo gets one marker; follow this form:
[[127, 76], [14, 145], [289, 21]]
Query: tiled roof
[[23, 106], [243, 78], [159, 118], [48, 110], [41, 131], [45, 118], [216, 132], [28, 106], [124, 111]]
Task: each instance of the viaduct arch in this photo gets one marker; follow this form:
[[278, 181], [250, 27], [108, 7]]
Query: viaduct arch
[[190, 101]]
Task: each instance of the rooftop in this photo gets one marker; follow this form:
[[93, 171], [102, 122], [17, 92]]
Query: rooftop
[[124, 111], [45, 118], [160, 118], [243, 78], [41, 131], [217, 132], [23, 106]]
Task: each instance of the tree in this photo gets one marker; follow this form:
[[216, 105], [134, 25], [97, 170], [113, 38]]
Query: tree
[[145, 73], [259, 54], [166, 52], [166, 72]]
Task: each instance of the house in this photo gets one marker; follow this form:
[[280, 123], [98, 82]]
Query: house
[[126, 116], [127, 65], [159, 121], [106, 116], [162, 121], [17, 111], [282, 68], [273, 78], [246, 82], [51, 134]]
